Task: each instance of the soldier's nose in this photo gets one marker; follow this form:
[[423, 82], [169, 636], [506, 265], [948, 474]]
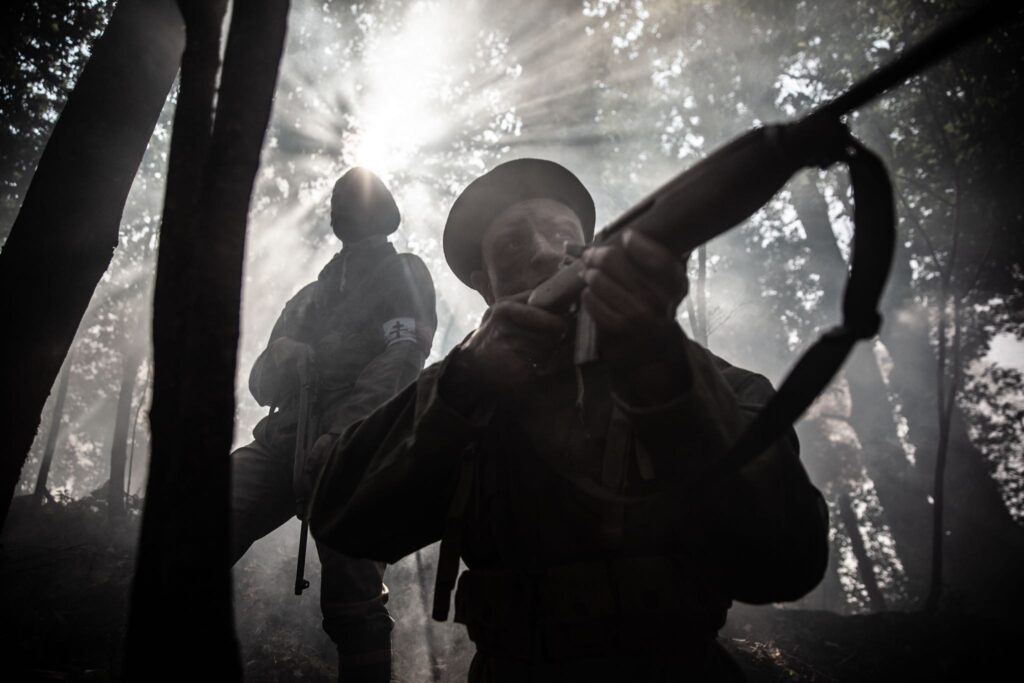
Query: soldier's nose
[[545, 250], [546, 256]]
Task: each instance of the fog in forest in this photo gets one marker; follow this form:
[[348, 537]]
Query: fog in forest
[[430, 94]]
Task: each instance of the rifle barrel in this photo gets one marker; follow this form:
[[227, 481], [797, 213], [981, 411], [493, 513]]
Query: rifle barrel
[[937, 45]]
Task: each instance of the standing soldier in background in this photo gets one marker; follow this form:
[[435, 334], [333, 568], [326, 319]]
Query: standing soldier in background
[[364, 329]]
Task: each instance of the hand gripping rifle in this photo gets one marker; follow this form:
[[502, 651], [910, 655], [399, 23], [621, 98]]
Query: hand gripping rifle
[[729, 185]]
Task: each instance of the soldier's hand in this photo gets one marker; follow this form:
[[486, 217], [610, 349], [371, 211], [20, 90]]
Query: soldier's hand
[[287, 354], [633, 290], [513, 342]]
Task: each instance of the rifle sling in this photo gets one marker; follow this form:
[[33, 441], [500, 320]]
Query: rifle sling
[[451, 541], [870, 260]]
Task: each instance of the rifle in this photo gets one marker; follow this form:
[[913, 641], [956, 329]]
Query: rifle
[[730, 184], [305, 432]]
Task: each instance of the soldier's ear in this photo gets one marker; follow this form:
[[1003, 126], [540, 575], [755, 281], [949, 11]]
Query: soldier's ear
[[482, 284]]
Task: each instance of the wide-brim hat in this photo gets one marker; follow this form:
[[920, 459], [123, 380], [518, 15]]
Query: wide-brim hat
[[498, 189]]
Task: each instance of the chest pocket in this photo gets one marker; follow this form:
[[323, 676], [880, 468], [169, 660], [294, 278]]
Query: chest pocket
[[342, 355], [349, 337]]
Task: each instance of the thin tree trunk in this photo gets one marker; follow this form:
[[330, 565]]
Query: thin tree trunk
[[64, 236], [423, 573], [865, 566], [975, 518], [983, 546], [691, 315], [183, 569], [702, 330], [119, 445], [946, 402], [51, 440], [841, 464], [135, 429], [158, 582]]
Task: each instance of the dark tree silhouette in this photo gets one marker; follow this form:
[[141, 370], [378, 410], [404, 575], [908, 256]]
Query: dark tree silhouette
[[65, 234], [51, 438], [181, 599], [132, 358]]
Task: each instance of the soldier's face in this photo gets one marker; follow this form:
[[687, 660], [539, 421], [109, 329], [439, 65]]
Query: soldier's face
[[524, 246]]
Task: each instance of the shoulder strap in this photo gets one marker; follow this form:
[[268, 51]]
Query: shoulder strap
[[451, 542]]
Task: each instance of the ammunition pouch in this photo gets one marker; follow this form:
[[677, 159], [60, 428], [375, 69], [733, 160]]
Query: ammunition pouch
[[648, 606]]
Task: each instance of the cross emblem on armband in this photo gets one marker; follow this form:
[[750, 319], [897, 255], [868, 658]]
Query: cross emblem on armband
[[399, 329], [396, 330]]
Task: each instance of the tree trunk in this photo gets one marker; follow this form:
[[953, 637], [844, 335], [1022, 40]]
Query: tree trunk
[[64, 236], [829, 596], [135, 429], [424, 570], [865, 567], [871, 415], [701, 328], [984, 548], [825, 429], [901, 487], [182, 595], [51, 439], [119, 446]]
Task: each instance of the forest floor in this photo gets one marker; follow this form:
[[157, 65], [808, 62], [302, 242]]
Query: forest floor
[[65, 578]]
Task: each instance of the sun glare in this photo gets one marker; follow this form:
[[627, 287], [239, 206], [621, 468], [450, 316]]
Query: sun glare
[[406, 72]]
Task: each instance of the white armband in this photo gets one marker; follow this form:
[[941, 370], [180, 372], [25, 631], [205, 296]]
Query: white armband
[[399, 330]]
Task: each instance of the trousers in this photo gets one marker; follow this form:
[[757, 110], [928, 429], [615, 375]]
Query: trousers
[[352, 592]]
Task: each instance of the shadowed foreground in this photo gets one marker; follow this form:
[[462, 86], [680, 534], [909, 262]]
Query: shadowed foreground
[[65, 600]]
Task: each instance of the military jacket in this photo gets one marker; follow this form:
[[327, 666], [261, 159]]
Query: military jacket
[[568, 478], [369, 318]]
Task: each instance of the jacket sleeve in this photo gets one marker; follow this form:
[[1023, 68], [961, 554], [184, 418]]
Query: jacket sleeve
[[385, 489], [406, 320], [762, 531], [268, 383]]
